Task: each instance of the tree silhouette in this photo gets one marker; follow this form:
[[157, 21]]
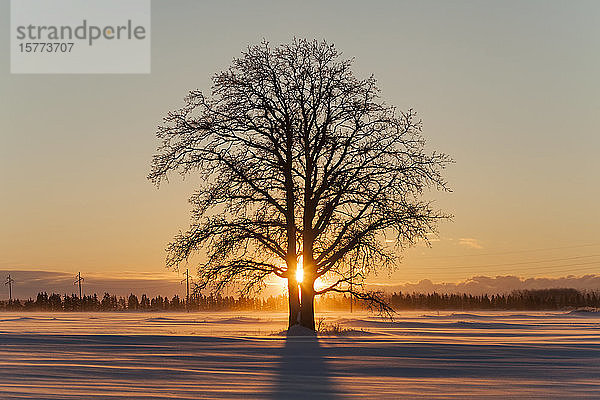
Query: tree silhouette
[[298, 157]]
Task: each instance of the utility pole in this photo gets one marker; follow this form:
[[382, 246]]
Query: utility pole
[[78, 281], [9, 282], [187, 284]]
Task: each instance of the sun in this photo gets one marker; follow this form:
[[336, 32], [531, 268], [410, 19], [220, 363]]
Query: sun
[[299, 271], [320, 282]]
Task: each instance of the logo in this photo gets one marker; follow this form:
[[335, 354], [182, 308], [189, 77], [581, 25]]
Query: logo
[[80, 36]]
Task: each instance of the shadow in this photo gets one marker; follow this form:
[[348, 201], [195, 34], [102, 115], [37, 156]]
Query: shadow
[[302, 372]]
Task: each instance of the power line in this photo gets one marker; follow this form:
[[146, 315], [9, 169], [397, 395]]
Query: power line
[[549, 268], [591, 264], [578, 269], [509, 264], [513, 251]]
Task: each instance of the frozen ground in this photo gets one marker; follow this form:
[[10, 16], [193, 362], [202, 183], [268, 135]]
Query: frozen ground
[[478, 355]]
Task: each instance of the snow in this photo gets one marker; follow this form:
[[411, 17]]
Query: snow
[[482, 355], [299, 330]]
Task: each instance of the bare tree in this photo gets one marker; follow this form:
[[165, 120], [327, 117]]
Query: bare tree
[[299, 159]]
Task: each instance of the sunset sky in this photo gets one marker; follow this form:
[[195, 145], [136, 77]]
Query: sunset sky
[[510, 90]]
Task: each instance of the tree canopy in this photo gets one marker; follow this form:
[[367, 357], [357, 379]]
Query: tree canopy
[[298, 157]]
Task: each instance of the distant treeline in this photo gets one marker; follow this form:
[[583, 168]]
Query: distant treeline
[[56, 302], [544, 299]]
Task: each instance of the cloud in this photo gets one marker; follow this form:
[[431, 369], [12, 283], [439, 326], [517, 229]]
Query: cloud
[[494, 285], [433, 237], [29, 283], [470, 242]]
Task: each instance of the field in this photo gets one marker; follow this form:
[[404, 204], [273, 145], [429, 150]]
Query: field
[[448, 355]]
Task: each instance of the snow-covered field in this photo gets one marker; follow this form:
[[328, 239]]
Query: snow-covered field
[[478, 355]]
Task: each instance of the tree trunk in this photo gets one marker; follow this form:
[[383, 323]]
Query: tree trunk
[[294, 301], [307, 307]]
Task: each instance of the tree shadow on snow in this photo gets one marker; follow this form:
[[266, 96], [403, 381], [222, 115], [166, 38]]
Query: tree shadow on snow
[[302, 372]]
